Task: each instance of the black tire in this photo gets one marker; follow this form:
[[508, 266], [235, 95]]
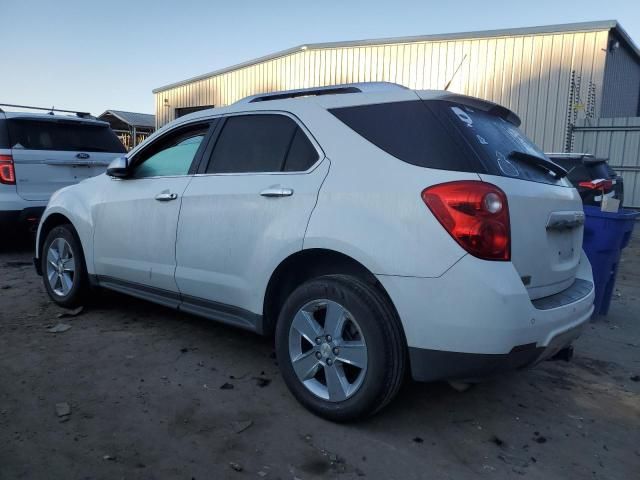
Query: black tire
[[76, 294], [382, 333]]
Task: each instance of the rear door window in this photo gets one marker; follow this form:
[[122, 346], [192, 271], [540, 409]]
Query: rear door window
[[261, 143], [62, 135], [252, 143]]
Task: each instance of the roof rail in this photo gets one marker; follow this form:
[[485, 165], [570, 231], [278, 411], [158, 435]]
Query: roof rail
[[50, 110], [364, 87]]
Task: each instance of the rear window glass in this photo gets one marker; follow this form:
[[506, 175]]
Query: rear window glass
[[446, 135], [495, 139], [4, 134], [600, 170], [410, 131], [62, 135]]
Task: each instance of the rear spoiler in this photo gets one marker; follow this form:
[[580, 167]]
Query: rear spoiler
[[585, 158], [486, 106]]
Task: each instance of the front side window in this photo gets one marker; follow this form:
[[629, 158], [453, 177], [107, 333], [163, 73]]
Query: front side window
[[173, 155], [261, 143]]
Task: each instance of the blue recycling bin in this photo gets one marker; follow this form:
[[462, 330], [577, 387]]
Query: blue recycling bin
[[605, 235]]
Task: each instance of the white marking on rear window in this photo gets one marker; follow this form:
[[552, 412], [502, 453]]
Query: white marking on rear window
[[506, 166], [462, 115]]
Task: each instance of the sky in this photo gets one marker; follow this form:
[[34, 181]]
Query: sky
[[110, 54]]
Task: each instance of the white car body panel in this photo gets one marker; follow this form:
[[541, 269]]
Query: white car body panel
[[231, 239], [379, 214], [135, 234], [480, 307], [557, 253], [75, 203]]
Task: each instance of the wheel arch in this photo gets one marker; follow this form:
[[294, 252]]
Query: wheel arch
[[52, 221], [303, 265], [49, 223]]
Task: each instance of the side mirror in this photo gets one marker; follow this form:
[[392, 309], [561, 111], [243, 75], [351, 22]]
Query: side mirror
[[119, 167]]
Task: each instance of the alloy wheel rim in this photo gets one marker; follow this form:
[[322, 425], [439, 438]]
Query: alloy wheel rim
[[61, 267], [327, 350]]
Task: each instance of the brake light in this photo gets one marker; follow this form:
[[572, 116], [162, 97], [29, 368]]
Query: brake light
[[598, 184], [475, 214], [7, 172]]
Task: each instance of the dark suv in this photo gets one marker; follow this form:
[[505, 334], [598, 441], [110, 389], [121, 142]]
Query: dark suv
[[583, 172]]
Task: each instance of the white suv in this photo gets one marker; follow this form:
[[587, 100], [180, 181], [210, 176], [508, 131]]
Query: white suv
[[42, 152], [372, 228]]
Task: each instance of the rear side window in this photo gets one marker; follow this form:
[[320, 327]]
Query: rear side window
[[4, 134], [411, 132], [252, 143], [600, 170], [62, 135], [302, 155]]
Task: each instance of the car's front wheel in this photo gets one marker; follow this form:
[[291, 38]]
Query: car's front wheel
[[63, 268], [340, 347]]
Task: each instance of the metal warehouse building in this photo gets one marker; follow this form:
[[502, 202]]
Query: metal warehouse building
[[572, 85]]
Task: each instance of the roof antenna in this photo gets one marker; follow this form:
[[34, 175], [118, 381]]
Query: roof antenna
[[52, 108], [446, 87]]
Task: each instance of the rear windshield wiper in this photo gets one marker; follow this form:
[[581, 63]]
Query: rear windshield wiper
[[539, 162]]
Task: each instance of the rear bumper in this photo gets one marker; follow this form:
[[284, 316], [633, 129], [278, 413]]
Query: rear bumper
[[477, 319], [9, 217], [429, 365], [28, 215]]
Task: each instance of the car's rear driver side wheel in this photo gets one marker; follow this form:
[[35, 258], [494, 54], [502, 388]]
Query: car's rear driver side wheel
[[63, 269], [340, 347]]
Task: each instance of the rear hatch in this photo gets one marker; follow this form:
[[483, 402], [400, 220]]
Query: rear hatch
[[456, 133], [51, 153], [545, 212]]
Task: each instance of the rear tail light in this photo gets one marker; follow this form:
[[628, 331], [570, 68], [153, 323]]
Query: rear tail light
[[475, 214], [598, 184], [7, 172]]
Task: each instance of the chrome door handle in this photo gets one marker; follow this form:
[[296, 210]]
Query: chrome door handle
[[277, 192], [166, 196]]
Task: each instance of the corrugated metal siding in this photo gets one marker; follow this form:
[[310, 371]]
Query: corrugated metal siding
[[617, 139], [529, 74], [621, 96]]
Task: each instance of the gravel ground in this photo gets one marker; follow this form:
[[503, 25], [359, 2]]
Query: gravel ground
[[156, 394]]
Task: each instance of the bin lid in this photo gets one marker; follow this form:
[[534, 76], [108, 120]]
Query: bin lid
[[622, 214]]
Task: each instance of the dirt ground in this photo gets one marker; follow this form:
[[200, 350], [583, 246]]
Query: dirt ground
[[155, 394]]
